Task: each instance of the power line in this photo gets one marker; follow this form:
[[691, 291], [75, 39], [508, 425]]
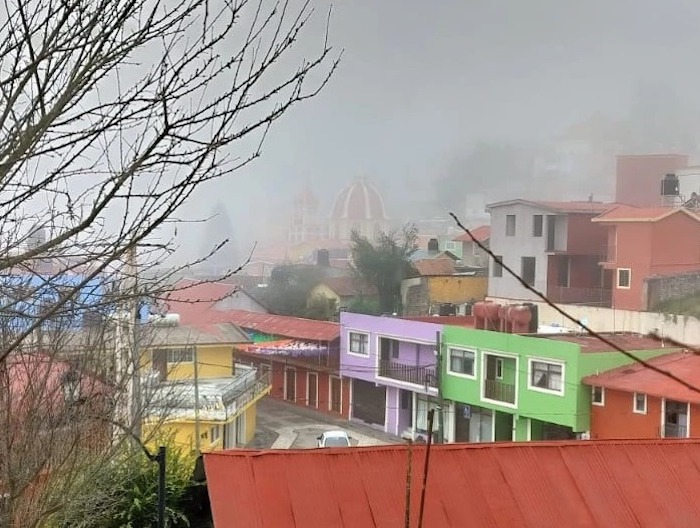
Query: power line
[[571, 318]]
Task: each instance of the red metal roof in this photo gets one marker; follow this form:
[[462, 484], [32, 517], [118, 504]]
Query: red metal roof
[[627, 341], [534, 484], [637, 378], [283, 326], [192, 299], [481, 233], [627, 213]]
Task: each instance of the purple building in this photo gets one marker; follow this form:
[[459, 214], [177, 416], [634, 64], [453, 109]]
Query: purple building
[[392, 364]]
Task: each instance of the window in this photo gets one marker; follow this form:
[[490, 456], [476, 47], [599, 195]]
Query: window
[[177, 355], [358, 344], [497, 266], [537, 225], [624, 277], [527, 270], [547, 376], [462, 361], [215, 434], [598, 396], [640, 403], [450, 246], [564, 271], [510, 225], [499, 368]]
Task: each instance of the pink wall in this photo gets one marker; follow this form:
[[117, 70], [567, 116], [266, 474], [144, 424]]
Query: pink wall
[[639, 178]]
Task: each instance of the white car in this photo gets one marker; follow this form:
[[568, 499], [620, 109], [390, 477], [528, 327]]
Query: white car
[[334, 439]]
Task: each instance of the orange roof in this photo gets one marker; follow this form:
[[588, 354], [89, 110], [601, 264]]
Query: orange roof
[[435, 266], [589, 484], [559, 207], [637, 378], [481, 233], [627, 213]]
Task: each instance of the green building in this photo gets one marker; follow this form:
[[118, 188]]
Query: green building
[[498, 386]]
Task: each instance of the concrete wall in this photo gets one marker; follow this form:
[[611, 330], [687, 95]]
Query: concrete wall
[[680, 327], [457, 289]]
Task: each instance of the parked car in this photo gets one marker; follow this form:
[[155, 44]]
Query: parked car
[[334, 439]]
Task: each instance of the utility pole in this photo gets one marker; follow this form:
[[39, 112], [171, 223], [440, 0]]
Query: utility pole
[[441, 402], [196, 403]]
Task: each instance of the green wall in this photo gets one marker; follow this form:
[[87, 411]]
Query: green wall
[[572, 409]]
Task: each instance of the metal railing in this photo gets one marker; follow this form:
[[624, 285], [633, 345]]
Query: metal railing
[[419, 375], [585, 296], [498, 391]]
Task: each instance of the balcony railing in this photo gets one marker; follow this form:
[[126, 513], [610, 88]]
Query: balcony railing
[[498, 391], [409, 373], [675, 431], [586, 296]]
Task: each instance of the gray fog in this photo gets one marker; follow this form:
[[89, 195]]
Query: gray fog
[[421, 85]]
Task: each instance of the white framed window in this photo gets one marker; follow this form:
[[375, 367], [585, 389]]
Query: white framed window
[[598, 396], [358, 343], [639, 403], [461, 362], [546, 376], [537, 225], [450, 245], [624, 278], [179, 355]]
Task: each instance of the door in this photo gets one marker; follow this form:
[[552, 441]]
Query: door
[[312, 384], [676, 419], [290, 386], [368, 402], [336, 394], [463, 414]]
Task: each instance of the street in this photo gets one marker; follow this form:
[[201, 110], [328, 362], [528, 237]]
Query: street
[[282, 425]]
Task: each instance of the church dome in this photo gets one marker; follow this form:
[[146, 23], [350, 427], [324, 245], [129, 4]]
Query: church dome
[[359, 201]]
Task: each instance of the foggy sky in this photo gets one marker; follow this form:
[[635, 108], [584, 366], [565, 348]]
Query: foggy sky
[[420, 81]]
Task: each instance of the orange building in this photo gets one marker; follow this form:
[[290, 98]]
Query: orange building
[[634, 401], [645, 242]]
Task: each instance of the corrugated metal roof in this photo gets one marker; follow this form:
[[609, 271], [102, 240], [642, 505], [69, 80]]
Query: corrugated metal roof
[[283, 326], [194, 334], [535, 484], [638, 378]]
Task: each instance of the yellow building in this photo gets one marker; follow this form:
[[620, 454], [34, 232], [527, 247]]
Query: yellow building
[[194, 390]]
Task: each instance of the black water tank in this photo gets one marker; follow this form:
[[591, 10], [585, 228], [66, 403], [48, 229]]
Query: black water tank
[[670, 185], [433, 245], [323, 258]]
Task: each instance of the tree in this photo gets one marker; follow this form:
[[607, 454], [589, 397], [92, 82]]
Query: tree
[[114, 112], [385, 263], [289, 287]]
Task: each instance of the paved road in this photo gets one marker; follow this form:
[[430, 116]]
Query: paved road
[[281, 425]]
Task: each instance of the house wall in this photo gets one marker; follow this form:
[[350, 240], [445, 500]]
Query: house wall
[[214, 361], [552, 408], [617, 419], [633, 250], [585, 237], [321, 290], [354, 366], [638, 180], [457, 289], [511, 249], [473, 255], [675, 245]]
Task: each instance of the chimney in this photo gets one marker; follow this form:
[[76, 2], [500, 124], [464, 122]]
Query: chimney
[[433, 245]]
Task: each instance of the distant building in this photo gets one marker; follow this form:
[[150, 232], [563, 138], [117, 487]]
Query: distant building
[[358, 207]]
